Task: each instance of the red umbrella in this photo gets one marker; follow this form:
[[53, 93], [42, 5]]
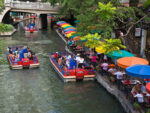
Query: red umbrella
[[148, 87]]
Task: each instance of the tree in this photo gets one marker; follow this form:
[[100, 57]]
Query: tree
[[92, 40], [111, 45]]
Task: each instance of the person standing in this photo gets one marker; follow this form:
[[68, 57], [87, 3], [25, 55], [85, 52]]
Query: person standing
[[119, 77]]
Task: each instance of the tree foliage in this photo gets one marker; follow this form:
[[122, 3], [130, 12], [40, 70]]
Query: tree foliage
[[5, 27], [1, 5], [111, 45], [92, 40]]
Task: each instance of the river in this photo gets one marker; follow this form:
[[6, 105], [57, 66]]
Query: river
[[41, 90]]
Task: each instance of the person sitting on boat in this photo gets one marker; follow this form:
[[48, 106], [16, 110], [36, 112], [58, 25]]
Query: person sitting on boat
[[21, 55], [80, 62], [60, 61], [72, 62], [25, 52], [77, 57], [25, 28], [9, 50], [16, 50], [56, 56]]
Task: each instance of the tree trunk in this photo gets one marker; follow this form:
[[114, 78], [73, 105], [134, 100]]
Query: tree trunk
[[133, 3]]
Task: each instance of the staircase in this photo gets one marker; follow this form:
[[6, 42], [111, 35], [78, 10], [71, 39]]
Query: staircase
[[3, 13]]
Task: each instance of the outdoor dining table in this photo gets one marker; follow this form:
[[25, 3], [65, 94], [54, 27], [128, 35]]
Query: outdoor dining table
[[130, 82]]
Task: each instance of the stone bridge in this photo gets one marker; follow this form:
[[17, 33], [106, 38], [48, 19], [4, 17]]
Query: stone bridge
[[29, 7]]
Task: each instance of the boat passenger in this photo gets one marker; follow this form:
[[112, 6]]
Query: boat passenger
[[25, 52], [60, 61], [21, 55], [25, 28], [72, 62], [81, 62], [10, 50], [56, 55]]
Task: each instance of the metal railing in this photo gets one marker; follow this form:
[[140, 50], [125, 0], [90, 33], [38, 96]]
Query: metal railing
[[32, 5]]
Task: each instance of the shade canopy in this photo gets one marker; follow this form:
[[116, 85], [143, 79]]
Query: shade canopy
[[119, 54], [141, 71], [68, 27], [148, 87], [130, 61], [70, 30], [72, 36], [65, 25], [61, 22]]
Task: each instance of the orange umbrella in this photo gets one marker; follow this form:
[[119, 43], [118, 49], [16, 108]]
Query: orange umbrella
[[130, 61], [76, 38]]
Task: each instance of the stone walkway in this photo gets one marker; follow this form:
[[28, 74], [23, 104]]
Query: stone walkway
[[103, 80]]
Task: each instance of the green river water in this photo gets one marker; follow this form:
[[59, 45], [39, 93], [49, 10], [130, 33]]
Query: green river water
[[41, 90]]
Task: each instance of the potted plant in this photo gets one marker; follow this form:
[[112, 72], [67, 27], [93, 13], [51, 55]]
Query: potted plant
[[136, 106], [148, 111], [112, 79]]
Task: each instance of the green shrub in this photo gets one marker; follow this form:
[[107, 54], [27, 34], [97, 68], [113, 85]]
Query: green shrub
[[5, 27], [136, 106], [148, 111]]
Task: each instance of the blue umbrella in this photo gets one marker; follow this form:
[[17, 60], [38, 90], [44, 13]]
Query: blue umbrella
[[70, 30], [141, 71], [120, 54]]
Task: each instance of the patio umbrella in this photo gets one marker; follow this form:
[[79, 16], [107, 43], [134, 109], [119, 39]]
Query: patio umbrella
[[148, 87], [100, 49], [61, 22], [68, 35], [64, 24], [77, 38], [130, 61], [69, 30], [119, 54], [141, 71], [73, 36], [68, 27]]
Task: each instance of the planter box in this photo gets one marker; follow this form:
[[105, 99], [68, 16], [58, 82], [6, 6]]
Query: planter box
[[3, 34]]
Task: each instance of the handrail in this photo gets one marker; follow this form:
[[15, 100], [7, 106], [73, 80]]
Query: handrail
[[32, 5]]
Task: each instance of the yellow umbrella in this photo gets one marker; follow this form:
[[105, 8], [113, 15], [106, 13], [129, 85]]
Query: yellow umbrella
[[68, 35], [65, 25], [100, 49]]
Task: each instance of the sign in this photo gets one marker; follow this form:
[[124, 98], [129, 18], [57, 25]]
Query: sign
[[137, 32]]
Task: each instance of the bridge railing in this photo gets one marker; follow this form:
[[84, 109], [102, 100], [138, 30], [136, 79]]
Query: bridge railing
[[32, 5]]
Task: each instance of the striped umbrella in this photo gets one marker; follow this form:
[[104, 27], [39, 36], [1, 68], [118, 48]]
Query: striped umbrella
[[68, 27], [63, 24], [73, 36], [69, 30], [60, 22]]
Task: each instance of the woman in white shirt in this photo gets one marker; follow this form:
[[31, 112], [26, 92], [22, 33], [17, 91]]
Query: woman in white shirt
[[80, 62]]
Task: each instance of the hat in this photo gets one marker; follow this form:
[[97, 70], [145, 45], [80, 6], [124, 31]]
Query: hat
[[78, 54]]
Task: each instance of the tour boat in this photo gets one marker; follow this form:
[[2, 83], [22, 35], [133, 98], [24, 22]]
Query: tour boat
[[72, 74], [23, 62], [31, 31]]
